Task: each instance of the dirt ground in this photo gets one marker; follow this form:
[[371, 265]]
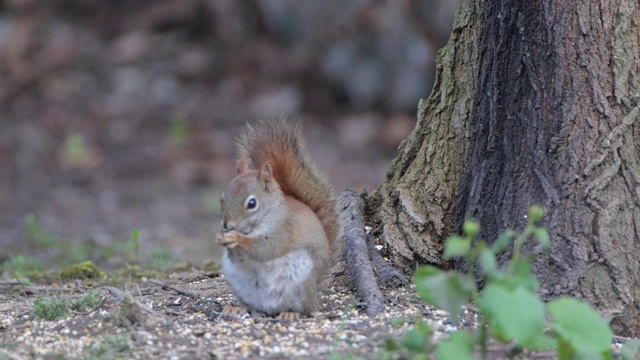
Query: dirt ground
[[145, 321]]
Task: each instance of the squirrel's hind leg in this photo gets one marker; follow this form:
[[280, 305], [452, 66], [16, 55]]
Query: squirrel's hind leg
[[288, 316], [233, 312]]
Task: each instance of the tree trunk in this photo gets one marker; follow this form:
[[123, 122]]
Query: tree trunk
[[534, 102]]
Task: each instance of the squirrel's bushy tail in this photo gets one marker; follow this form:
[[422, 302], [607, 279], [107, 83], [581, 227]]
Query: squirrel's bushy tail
[[279, 143]]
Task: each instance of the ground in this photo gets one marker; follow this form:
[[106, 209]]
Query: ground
[[145, 320]]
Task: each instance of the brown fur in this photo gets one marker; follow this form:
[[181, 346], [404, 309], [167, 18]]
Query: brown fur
[[279, 144]]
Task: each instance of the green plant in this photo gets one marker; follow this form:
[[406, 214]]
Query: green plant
[[630, 350], [36, 235], [178, 131], [163, 258], [75, 149], [86, 302], [66, 251], [23, 267], [128, 248], [112, 347], [509, 308], [134, 243], [51, 308]]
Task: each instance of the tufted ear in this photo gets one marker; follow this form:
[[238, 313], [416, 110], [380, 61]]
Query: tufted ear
[[242, 166], [266, 177]]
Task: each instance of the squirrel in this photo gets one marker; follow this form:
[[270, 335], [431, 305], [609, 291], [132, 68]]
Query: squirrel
[[281, 229]]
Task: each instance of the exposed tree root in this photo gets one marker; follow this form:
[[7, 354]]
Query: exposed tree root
[[358, 261], [386, 273]]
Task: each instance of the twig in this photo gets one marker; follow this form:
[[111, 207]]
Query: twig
[[177, 289], [144, 308], [81, 313], [10, 282], [119, 296], [359, 264], [36, 289], [115, 292]]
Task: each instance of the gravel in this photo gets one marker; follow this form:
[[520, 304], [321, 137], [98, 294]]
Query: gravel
[[153, 322]]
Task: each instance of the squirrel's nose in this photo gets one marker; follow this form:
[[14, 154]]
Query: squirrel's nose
[[228, 225]]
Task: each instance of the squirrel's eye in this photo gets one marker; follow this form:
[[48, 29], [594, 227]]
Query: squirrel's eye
[[252, 203]]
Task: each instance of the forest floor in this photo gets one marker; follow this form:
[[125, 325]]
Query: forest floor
[[143, 320]]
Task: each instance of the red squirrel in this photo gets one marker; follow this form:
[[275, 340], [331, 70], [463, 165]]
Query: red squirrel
[[281, 229]]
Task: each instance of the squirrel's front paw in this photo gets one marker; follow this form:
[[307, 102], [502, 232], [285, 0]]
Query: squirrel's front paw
[[228, 239], [231, 239]]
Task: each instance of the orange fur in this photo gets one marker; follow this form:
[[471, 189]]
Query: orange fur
[[279, 144]]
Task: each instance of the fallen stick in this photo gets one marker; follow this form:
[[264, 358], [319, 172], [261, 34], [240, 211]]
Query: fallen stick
[[177, 289]]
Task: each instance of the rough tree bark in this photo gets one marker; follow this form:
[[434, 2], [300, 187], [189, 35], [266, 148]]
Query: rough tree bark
[[534, 102]]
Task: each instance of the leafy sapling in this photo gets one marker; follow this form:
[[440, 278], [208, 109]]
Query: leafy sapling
[[509, 308], [134, 243]]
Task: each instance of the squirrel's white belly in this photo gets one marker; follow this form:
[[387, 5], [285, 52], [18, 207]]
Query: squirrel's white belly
[[272, 286]]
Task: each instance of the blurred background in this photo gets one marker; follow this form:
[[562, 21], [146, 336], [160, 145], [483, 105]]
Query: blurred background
[[117, 118]]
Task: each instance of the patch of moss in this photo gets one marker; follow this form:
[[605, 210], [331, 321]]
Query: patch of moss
[[211, 266], [182, 267], [136, 272], [83, 270]]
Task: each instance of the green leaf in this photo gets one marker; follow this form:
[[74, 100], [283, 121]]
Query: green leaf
[[456, 246], [564, 350], [75, 148], [420, 357], [488, 263], [581, 328], [541, 343], [471, 228], [446, 290], [502, 242], [630, 350], [536, 212], [457, 346], [417, 338], [178, 132], [542, 236], [390, 345], [520, 271], [513, 314]]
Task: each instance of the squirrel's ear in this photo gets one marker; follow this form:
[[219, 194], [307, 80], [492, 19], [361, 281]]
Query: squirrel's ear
[[242, 166], [266, 176]]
